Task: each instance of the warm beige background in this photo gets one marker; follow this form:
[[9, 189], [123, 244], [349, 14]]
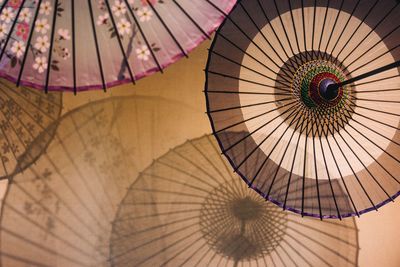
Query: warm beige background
[[184, 83]]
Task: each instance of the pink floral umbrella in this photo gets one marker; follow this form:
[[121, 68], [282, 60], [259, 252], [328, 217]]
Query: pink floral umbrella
[[72, 45]]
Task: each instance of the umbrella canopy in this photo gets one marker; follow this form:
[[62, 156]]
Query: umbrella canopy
[[58, 212], [312, 90], [189, 209], [81, 45], [26, 117]]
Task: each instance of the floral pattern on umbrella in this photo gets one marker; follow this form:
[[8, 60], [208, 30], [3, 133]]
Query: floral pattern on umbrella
[[81, 45]]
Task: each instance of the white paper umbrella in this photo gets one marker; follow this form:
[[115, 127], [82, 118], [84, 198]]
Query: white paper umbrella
[[189, 209], [313, 86], [80, 45], [26, 117]]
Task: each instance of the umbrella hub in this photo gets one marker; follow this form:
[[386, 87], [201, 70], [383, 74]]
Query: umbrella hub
[[313, 84], [246, 209], [313, 77], [240, 225]]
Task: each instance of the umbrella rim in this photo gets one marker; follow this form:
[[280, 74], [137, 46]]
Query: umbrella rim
[[108, 85], [244, 178]]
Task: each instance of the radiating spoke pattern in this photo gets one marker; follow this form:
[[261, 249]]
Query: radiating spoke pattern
[[26, 117], [74, 45], [300, 144], [188, 209], [58, 212]]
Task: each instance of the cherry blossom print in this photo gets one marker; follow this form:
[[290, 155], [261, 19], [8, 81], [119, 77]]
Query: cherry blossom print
[[40, 64], [64, 34], [15, 4], [119, 8], [125, 32], [143, 53], [42, 43], [7, 15], [23, 30], [124, 27], [45, 8], [18, 48], [42, 26], [3, 30], [103, 19], [144, 14], [25, 15]]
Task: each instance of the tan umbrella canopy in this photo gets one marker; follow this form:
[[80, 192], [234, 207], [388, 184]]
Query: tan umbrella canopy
[[189, 209], [312, 89], [96, 44], [26, 116], [58, 212]]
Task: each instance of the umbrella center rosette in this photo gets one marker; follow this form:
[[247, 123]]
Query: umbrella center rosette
[[312, 87], [242, 221]]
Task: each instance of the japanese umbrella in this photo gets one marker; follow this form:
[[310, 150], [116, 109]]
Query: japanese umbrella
[[312, 88], [58, 212], [189, 209], [26, 117], [80, 45]]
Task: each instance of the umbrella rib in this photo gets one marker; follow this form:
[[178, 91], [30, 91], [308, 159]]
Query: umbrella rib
[[269, 135], [295, 107], [341, 176], [313, 25], [284, 30], [28, 44], [255, 44], [304, 166], [316, 173], [249, 93], [73, 45], [254, 58], [280, 162], [245, 80], [265, 38], [370, 32], [358, 27], [329, 178], [249, 105], [376, 100], [248, 68], [3, 50], [144, 36], [166, 28], [276, 36], [192, 20], [46, 88], [344, 29], [372, 47], [365, 167], [323, 26], [373, 91], [377, 133], [291, 169], [121, 46], [294, 26], [96, 42], [369, 154], [374, 59], [355, 175], [334, 26]]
